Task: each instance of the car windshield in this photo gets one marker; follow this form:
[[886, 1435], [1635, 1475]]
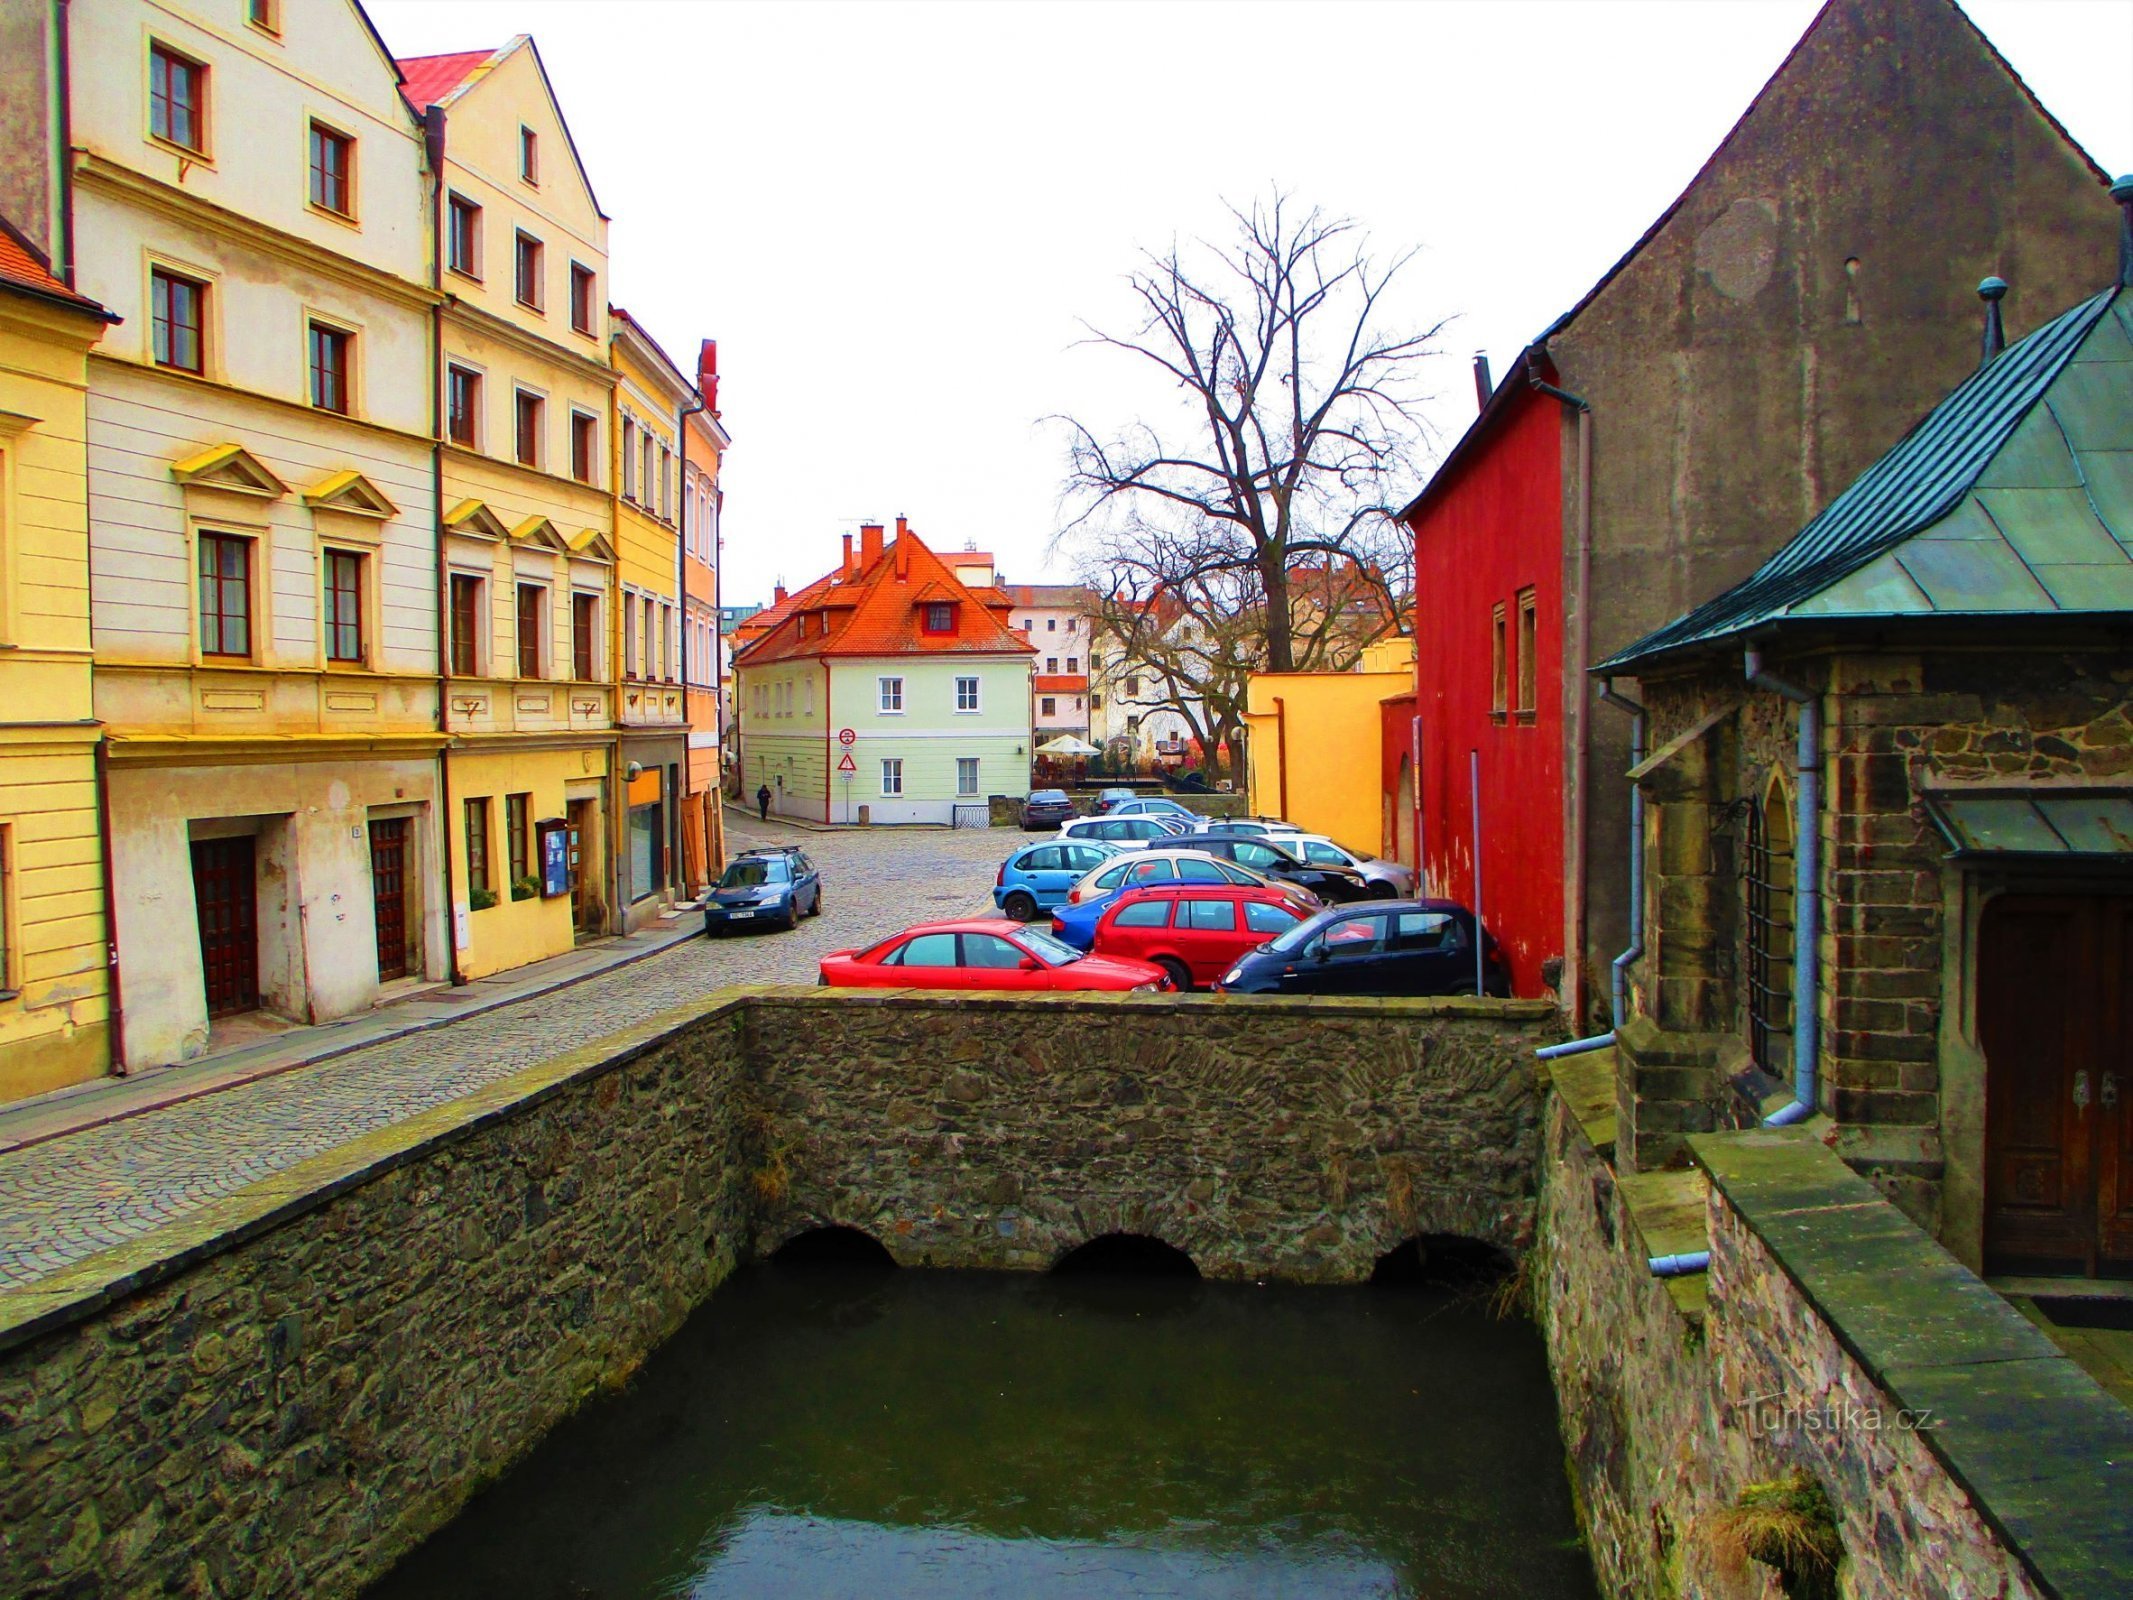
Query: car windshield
[[1294, 937], [753, 872], [1047, 949]]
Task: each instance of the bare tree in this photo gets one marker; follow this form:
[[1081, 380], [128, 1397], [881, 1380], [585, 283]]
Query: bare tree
[[1296, 432]]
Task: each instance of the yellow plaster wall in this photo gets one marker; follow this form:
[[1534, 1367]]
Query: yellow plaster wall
[[1333, 731], [513, 932]]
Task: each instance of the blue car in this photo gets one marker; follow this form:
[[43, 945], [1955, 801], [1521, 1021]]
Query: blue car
[[773, 888], [1037, 877]]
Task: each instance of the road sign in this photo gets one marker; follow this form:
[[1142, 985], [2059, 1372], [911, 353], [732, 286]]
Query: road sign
[[845, 763], [845, 736]]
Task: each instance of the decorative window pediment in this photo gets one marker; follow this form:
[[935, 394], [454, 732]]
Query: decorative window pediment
[[229, 467], [538, 532], [590, 544], [348, 490], [475, 520]]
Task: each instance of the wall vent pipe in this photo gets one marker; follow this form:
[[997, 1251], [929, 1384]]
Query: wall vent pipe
[[1618, 972], [1992, 291], [1680, 1266], [1574, 1047], [1806, 890], [1484, 385]]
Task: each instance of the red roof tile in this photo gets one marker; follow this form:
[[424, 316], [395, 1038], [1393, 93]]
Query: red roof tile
[[431, 78], [22, 267], [1063, 683], [874, 612]]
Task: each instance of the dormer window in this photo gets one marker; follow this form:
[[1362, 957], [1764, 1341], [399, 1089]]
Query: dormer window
[[939, 616]]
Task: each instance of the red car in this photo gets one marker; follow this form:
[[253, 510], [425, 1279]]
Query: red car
[[986, 953], [1194, 934]]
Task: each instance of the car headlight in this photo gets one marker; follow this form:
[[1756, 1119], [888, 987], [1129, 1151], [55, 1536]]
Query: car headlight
[[1233, 974]]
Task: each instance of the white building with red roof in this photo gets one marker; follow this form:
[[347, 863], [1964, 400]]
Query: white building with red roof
[[888, 690]]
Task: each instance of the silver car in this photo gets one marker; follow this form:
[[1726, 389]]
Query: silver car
[[1388, 880]]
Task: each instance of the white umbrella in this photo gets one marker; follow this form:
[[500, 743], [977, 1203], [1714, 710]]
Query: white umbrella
[[1068, 745]]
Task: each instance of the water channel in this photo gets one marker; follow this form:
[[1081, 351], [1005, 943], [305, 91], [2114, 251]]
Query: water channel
[[830, 1432]]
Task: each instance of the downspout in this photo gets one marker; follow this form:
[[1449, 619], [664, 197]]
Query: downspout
[[1581, 700], [65, 68], [115, 1022], [1806, 889], [1414, 775], [1618, 972], [433, 151], [829, 767], [1281, 755]]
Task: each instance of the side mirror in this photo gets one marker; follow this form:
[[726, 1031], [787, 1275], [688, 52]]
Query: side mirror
[[1322, 953], [1028, 964]]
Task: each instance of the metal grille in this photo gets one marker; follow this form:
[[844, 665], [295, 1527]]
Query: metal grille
[[1769, 896], [973, 816]]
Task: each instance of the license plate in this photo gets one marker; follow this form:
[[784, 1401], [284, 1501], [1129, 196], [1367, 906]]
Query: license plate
[[739, 915]]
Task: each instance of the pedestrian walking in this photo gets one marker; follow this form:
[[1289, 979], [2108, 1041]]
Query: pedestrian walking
[[762, 802]]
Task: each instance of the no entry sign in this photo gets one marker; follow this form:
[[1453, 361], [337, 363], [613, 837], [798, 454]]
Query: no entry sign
[[845, 736]]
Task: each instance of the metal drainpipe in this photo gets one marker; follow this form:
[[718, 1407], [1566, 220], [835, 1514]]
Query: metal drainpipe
[[1281, 756], [1618, 972], [433, 137], [1806, 890], [63, 19], [115, 1019]]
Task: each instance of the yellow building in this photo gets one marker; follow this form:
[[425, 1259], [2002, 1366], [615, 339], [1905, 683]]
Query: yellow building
[[651, 399], [526, 396], [1314, 748], [54, 959]]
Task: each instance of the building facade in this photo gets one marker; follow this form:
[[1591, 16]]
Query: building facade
[[1780, 325], [887, 691], [1057, 620], [55, 1000], [1314, 751], [703, 652], [526, 583]]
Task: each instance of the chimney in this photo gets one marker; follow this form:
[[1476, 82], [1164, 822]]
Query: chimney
[[903, 527], [707, 374], [777, 595], [1483, 386], [847, 569], [869, 543], [1991, 291], [2122, 192]]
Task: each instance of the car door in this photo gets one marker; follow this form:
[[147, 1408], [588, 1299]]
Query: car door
[[991, 962], [1353, 959], [925, 960], [1043, 873], [1431, 954], [1205, 929], [1135, 928]]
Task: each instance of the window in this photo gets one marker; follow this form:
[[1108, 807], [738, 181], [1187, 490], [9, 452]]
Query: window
[[1770, 933], [892, 696], [939, 617], [1133, 688], [966, 775], [629, 458], [1051, 664], [1070, 624], [966, 694], [929, 950], [1028, 623], [1210, 916], [177, 99], [1051, 624], [344, 606], [529, 155], [629, 638], [527, 409], [581, 298], [584, 615], [466, 620], [1528, 640], [651, 664], [518, 845], [1143, 914], [263, 14], [645, 490], [478, 890], [528, 275], [1262, 918], [462, 404], [329, 367], [332, 171], [1499, 663], [991, 952], [462, 236], [892, 776], [666, 641], [1047, 707], [225, 595], [178, 316], [532, 603], [1073, 664], [583, 440]]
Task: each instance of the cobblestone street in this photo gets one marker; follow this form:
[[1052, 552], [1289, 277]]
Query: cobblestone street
[[72, 1196]]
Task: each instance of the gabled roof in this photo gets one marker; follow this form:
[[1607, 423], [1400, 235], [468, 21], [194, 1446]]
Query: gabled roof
[[441, 80], [874, 612], [1050, 596], [430, 79], [2013, 497], [229, 466], [24, 268]]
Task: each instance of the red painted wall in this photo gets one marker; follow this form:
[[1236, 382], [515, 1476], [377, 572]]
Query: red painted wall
[[1492, 530]]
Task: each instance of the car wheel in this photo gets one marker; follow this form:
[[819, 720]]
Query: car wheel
[[815, 910], [1180, 974], [1021, 906], [1381, 890], [792, 916]]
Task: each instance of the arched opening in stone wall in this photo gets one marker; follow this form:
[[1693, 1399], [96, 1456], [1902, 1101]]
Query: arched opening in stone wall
[[833, 1246], [1442, 1261], [1126, 1255]]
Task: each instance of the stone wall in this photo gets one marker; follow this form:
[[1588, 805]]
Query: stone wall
[[1261, 1137], [1961, 1453], [284, 1391]]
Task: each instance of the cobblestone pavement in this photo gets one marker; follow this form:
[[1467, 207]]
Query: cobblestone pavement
[[72, 1196]]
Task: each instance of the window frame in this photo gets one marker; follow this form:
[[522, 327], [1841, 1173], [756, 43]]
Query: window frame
[[883, 694], [247, 588], [320, 334], [161, 317], [324, 135], [521, 279], [474, 824], [1499, 663], [330, 612], [453, 372], [472, 585], [585, 635], [971, 763], [584, 446], [196, 107], [265, 15], [977, 701], [587, 280], [1526, 650], [936, 618], [535, 595], [521, 398], [457, 206], [529, 157], [892, 767]]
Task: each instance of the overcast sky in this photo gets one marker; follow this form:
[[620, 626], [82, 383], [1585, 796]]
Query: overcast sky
[[893, 216]]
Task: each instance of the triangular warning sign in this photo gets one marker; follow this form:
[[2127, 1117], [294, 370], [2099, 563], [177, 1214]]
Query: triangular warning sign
[[845, 764]]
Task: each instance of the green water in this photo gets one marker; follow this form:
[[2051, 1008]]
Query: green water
[[829, 1433]]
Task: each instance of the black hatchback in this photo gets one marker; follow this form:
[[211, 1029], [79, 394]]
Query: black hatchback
[[1333, 884], [1046, 808], [1389, 947]]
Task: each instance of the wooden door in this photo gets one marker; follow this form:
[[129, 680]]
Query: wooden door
[[226, 895], [2055, 1023], [388, 894], [584, 889]]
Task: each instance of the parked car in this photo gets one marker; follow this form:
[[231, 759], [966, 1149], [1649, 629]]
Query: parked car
[[1193, 933], [1075, 921], [1258, 827], [1130, 833], [1040, 876], [1153, 806], [1270, 855], [1389, 947], [984, 953], [1387, 880], [1045, 809], [1107, 798], [773, 886]]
